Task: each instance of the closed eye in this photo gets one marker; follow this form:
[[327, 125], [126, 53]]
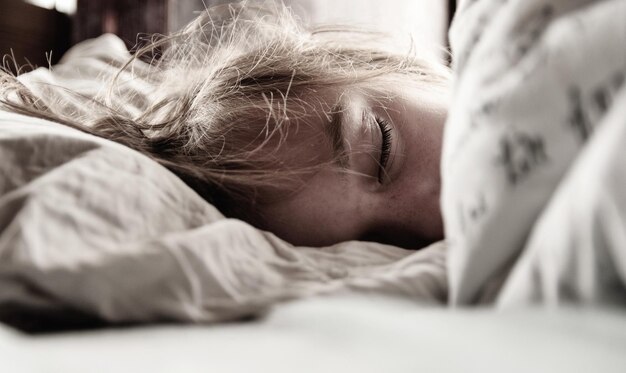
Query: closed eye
[[385, 150]]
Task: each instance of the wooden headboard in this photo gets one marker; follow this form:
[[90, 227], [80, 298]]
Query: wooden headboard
[[126, 19], [30, 31], [31, 34]]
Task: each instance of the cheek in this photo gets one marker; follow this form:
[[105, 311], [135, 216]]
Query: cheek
[[329, 210], [418, 192], [409, 217]]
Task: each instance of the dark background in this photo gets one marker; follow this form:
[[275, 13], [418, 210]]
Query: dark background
[[36, 36]]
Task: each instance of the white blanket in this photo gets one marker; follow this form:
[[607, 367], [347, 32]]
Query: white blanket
[[534, 156]]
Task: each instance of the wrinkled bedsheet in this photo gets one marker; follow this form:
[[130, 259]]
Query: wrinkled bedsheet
[[534, 163]]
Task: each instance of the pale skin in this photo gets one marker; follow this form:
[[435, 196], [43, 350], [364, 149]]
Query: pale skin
[[357, 198]]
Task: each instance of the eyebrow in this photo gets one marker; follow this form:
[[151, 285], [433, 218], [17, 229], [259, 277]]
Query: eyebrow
[[335, 132]]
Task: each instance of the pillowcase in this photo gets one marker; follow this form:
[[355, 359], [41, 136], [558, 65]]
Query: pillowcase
[[86, 69], [533, 77]]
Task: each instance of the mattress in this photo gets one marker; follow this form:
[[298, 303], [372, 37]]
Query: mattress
[[341, 334]]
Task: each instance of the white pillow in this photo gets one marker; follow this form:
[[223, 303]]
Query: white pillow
[[86, 69], [533, 78]]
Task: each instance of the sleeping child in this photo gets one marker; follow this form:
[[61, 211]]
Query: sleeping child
[[319, 136]]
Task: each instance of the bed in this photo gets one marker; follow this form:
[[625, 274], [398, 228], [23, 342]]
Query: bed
[[344, 334], [531, 276]]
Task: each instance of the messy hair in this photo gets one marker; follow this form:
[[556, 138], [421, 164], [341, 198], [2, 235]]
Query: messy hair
[[226, 91]]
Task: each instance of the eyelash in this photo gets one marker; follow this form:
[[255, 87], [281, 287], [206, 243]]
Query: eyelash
[[385, 151]]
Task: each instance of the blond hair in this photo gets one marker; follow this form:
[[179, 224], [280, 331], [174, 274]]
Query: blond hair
[[226, 89]]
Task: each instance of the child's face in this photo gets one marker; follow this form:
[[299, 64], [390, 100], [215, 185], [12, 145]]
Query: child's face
[[357, 198]]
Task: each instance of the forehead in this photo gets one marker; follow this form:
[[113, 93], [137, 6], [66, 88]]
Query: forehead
[[329, 125], [309, 126], [296, 139], [319, 129]]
